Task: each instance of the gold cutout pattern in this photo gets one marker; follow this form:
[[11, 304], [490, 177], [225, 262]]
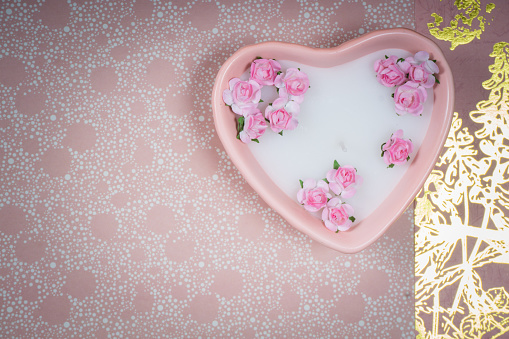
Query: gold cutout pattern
[[462, 220], [463, 28]]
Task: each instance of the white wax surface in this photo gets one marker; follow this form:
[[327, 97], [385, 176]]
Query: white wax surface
[[346, 116]]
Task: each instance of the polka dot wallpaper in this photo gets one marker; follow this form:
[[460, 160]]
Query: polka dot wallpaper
[[120, 213]]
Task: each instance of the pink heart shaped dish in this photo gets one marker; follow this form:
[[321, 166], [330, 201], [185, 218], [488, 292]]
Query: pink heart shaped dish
[[338, 141]]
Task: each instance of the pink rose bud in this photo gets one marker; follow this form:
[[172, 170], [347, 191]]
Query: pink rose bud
[[294, 84], [264, 71], [344, 180], [397, 150], [420, 75], [419, 59], [338, 216], [242, 94], [282, 115], [422, 58], [410, 98], [254, 126], [313, 195], [388, 72]]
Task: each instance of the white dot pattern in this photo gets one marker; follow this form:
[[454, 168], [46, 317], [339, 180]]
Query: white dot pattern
[[121, 214]]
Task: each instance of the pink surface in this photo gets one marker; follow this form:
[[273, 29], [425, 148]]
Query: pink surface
[[371, 228], [121, 215]]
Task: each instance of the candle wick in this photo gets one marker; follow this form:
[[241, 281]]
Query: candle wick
[[342, 146]]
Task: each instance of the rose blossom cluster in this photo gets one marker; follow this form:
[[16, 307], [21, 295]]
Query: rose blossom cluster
[[396, 151], [244, 96], [340, 182], [411, 77]]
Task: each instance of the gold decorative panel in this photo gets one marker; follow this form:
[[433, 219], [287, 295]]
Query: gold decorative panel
[[466, 25], [462, 219]]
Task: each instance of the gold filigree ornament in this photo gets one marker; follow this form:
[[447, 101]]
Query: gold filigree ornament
[[463, 28], [462, 222]]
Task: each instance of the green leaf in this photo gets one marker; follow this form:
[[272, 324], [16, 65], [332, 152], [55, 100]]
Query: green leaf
[[256, 140], [436, 80], [260, 101], [258, 57], [392, 95], [301, 183], [382, 155], [228, 105], [240, 126], [400, 59], [434, 60], [281, 133], [279, 72], [267, 120], [298, 68], [352, 219], [390, 166], [325, 179], [336, 165], [407, 158], [386, 57]]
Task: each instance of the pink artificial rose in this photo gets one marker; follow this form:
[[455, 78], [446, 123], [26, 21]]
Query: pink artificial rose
[[282, 115], [410, 98], [338, 216], [422, 58], [419, 59], [313, 195], [420, 75], [397, 150], [264, 71], [388, 72], [294, 84], [254, 126], [242, 95], [344, 181]]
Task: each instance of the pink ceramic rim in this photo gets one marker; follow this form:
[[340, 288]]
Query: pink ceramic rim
[[371, 228]]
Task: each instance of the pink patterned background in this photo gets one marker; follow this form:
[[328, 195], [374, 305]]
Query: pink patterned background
[[120, 213]]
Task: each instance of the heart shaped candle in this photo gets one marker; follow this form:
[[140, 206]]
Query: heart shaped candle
[[346, 117]]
